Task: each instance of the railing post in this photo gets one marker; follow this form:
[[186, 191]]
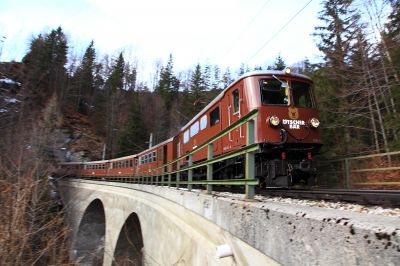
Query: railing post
[[346, 173], [249, 167], [209, 167], [178, 174], [162, 179], [190, 172]]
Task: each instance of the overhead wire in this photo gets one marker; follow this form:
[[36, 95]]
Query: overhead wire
[[245, 29], [277, 33]]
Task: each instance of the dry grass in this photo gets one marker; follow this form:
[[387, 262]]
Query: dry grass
[[32, 228]]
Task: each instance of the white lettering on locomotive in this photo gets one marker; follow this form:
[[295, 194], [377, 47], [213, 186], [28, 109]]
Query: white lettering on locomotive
[[293, 124]]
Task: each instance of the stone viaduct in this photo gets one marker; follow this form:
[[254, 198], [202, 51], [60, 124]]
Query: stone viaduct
[[113, 223]]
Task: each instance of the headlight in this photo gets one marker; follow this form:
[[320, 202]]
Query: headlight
[[314, 122], [274, 120]]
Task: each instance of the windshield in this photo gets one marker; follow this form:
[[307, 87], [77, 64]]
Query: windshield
[[276, 92], [273, 93], [301, 94]]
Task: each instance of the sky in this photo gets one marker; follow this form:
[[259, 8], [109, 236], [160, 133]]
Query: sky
[[222, 32]]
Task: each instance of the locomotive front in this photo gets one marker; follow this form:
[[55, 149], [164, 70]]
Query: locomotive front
[[287, 129]]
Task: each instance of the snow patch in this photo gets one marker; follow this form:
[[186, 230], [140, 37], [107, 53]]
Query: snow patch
[[11, 100], [10, 81], [2, 110]]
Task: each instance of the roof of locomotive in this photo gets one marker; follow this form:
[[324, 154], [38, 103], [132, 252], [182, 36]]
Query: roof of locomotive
[[248, 74]]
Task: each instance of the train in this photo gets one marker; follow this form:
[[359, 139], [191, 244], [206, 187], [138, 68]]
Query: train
[[286, 131]]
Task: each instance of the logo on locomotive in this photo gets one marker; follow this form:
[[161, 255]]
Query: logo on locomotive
[[293, 113], [294, 124]]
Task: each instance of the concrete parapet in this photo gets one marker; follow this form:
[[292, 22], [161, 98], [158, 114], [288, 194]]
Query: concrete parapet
[[293, 234]]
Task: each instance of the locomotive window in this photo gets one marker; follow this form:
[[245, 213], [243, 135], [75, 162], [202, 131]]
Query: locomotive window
[[186, 136], [131, 163], [194, 129], [273, 93], [214, 116], [301, 94], [203, 122], [235, 99]]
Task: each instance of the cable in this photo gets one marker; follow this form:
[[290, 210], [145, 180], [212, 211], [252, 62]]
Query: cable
[[279, 31], [245, 29]]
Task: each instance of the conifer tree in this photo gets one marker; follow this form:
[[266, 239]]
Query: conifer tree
[[85, 80], [113, 87], [279, 64], [134, 134], [216, 84], [168, 85], [197, 89], [45, 64], [226, 78], [337, 35]]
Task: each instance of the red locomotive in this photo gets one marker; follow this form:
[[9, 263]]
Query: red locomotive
[[286, 130]]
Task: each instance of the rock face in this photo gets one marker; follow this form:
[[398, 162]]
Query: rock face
[[76, 146]]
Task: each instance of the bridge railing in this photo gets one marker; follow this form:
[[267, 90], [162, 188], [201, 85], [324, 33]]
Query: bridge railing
[[167, 175], [249, 181], [380, 169]]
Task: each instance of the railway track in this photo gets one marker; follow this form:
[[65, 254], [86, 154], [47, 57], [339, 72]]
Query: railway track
[[385, 198]]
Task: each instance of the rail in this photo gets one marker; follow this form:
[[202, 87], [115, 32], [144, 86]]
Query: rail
[[348, 166], [163, 175]]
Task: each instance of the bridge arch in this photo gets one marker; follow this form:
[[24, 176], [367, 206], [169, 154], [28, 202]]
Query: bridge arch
[[130, 243], [88, 247], [175, 226]]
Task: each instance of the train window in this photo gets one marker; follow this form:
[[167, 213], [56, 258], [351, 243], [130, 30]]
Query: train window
[[301, 94], [214, 116], [194, 129], [273, 93], [131, 163], [186, 136], [203, 122], [235, 103]]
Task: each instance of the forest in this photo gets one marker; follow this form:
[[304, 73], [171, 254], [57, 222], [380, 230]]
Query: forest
[[98, 101], [356, 84]]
